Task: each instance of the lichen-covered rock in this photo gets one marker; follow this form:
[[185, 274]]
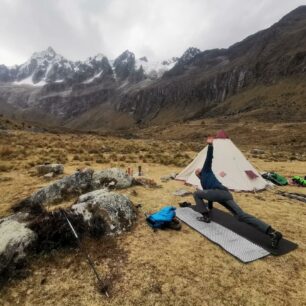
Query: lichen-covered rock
[[50, 168], [116, 210], [112, 176], [15, 239], [75, 184]]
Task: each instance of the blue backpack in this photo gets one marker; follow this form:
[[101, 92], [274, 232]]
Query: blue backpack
[[162, 218]]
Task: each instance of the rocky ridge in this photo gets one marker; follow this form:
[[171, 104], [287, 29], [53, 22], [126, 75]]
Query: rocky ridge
[[47, 67], [99, 93]]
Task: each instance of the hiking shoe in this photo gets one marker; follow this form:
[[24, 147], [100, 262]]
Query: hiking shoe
[[185, 204], [275, 238], [205, 218], [175, 224]]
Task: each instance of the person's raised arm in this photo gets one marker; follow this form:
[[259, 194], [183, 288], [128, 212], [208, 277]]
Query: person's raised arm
[[209, 155]]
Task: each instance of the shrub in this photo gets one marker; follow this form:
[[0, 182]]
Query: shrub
[[101, 161], [113, 157], [76, 157], [6, 152], [5, 167]]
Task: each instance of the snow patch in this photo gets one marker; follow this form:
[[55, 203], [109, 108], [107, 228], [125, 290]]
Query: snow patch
[[99, 57], [29, 81], [94, 77], [154, 68]]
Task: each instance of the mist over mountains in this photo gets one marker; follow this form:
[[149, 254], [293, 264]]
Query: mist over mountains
[[101, 93]]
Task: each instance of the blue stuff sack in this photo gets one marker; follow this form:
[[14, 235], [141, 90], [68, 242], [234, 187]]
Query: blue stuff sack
[[162, 218]]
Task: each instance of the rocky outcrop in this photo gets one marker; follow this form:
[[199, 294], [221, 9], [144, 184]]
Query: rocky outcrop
[[78, 183], [99, 212], [113, 177], [114, 209], [75, 184], [96, 213]]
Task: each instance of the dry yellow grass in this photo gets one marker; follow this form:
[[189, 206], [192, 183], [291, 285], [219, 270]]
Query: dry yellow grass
[[162, 268]]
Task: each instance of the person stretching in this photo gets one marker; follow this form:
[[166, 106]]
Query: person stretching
[[214, 191]]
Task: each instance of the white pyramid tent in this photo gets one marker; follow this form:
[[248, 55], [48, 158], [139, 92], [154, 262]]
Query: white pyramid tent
[[229, 165]]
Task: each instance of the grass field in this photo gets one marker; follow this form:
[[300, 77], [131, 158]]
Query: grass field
[[166, 267]]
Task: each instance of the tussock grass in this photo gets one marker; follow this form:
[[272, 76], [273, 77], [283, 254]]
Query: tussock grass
[[167, 273], [32, 149]]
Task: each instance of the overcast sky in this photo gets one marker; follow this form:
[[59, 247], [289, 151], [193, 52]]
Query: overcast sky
[[158, 29]]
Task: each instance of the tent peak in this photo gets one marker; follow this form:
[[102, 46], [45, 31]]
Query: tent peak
[[221, 135]]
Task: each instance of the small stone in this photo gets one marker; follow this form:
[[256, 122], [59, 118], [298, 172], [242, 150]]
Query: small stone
[[29, 291], [47, 168], [257, 151], [167, 178], [182, 192], [49, 175]]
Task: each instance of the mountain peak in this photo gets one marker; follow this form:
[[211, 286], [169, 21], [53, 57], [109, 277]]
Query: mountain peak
[[126, 57], [128, 52], [50, 50], [48, 53], [190, 53], [99, 57]]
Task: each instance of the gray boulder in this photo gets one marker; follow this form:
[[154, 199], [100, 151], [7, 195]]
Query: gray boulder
[[14, 242], [114, 177], [75, 184], [116, 210], [50, 168]]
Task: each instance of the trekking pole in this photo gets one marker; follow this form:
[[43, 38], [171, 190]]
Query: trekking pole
[[101, 286]]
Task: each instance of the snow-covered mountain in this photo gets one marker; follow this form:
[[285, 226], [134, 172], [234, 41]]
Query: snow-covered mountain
[[155, 69], [47, 67]]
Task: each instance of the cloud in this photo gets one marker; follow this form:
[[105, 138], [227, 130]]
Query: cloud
[[158, 29]]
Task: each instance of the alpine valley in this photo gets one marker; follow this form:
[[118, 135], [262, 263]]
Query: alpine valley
[[261, 77]]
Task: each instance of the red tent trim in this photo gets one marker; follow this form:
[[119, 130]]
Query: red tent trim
[[221, 135]]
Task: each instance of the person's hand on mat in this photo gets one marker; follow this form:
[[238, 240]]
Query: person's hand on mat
[[197, 172], [210, 139]]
